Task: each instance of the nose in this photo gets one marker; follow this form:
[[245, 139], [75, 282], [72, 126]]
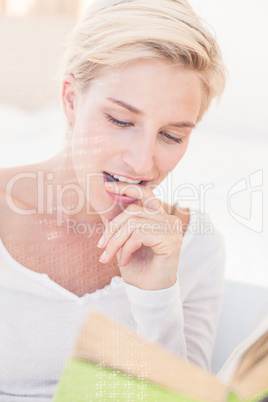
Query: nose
[[140, 155]]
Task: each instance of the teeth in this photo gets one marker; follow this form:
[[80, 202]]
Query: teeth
[[124, 179]]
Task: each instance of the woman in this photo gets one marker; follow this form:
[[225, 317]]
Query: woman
[[85, 229]]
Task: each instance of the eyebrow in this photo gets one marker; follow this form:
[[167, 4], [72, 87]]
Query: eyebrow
[[183, 124], [125, 105]]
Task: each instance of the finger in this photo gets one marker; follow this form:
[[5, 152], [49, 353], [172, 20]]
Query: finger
[[105, 220], [157, 236], [139, 239], [115, 243], [113, 226], [140, 192], [150, 216], [124, 233], [141, 233]]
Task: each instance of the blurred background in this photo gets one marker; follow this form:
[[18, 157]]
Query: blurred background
[[224, 172]]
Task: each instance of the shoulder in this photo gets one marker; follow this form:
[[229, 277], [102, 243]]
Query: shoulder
[[198, 231], [202, 258], [17, 182], [5, 177], [199, 234], [202, 231], [16, 190], [182, 213], [203, 247]]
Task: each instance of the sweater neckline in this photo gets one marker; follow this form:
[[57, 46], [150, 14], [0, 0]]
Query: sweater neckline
[[42, 279]]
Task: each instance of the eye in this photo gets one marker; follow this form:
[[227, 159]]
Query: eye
[[169, 138], [119, 123]]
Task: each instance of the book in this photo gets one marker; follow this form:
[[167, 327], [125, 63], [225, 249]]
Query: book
[[110, 362]]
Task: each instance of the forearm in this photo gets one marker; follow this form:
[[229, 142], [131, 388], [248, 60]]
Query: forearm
[[159, 316]]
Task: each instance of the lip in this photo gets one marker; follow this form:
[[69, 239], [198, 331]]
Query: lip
[[120, 198], [142, 179]]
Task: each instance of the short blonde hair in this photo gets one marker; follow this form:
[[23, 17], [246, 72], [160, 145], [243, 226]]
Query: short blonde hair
[[114, 32]]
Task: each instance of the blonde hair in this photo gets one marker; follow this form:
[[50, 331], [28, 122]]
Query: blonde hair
[[114, 32]]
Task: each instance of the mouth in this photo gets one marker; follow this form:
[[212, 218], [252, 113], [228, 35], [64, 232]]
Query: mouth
[[121, 198], [111, 177]]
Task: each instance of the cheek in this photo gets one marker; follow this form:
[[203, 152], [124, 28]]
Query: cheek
[[173, 157], [96, 136], [91, 149]]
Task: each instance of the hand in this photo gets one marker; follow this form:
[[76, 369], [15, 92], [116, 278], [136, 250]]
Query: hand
[[145, 239]]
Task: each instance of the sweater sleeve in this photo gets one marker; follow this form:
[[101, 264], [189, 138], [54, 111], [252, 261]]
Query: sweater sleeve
[[159, 316], [184, 317], [202, 307]]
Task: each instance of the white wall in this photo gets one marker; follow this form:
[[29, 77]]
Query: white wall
[[242, 31], [231, 143]]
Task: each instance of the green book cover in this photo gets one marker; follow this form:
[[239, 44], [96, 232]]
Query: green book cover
[[84, 381], [111, 363]]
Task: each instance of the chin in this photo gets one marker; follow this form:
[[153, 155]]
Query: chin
[[113, 212], [108, 210]]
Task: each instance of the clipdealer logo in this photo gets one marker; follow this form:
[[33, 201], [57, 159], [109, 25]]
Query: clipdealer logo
[[250, 190], [244, 198]]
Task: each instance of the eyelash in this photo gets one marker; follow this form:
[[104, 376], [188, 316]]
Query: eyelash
[[119, 123], [123, 124], [170, 138]]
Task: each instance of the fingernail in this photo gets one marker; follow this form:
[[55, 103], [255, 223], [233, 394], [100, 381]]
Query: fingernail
[[101, 242], [103, 256], [109, 184]]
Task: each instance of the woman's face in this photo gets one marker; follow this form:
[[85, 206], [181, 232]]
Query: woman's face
[[134, 122]]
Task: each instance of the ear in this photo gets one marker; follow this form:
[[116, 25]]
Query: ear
[[68, 96]]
